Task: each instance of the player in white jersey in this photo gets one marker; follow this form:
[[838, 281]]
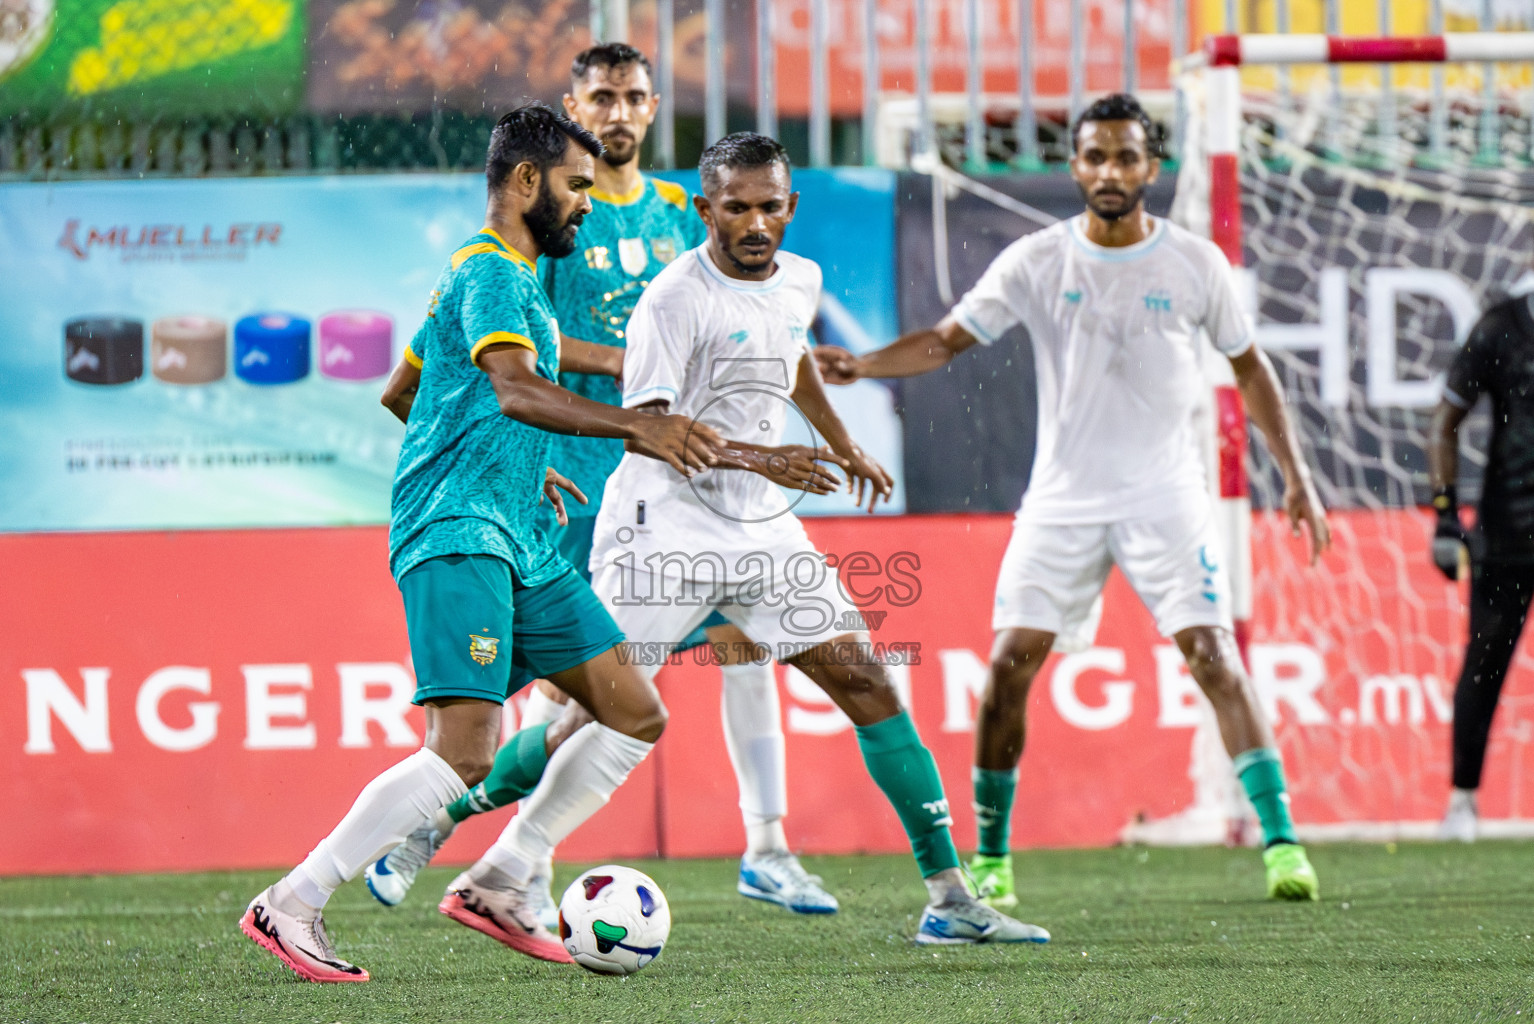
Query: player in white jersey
[[723, 332], [1114, 302]]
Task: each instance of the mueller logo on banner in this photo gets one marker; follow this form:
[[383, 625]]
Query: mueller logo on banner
[[168, 242]]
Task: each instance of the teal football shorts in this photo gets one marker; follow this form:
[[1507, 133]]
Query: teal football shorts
[[475, 631]]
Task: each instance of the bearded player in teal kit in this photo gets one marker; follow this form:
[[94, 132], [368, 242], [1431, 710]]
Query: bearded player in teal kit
[[488, 602], [637, 225]]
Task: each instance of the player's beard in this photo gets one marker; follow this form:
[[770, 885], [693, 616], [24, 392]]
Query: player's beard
[[751, 268], [1130, 205], [555, 237], [622, 147]]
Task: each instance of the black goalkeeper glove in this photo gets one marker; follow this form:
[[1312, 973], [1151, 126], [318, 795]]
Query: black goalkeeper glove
[[1449, 537]]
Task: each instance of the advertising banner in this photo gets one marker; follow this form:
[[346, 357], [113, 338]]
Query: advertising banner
[[209, 354], [160, 57], [216, 700]]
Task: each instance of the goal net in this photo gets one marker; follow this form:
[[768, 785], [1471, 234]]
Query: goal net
[[1376, 211]]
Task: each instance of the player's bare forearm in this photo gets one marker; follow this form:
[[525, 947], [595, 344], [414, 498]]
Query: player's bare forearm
[[864, 474], [528, 398], [791, 465], [400, 390], [1443, 444], [1264, 399], [744, 455], [682, 442], [810, 396], [908, 356], [577, 356]]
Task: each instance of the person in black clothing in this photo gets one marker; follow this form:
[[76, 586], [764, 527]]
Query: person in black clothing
[[1497, 361]]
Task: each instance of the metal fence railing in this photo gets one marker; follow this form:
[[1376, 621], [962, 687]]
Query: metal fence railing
[[141, 87]]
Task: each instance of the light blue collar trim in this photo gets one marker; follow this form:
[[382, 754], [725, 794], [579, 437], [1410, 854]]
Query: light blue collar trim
[[735, 283], [1118, 254]]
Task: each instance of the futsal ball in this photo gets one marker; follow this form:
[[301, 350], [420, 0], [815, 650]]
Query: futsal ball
[[614, 920]]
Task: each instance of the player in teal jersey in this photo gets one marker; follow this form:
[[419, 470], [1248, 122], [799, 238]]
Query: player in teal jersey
[[637, 225], [489, 604]]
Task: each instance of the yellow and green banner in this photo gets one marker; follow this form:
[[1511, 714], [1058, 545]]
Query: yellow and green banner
[[159, 57]]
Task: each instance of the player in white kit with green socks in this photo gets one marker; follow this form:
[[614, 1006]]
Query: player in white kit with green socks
[[1114, 302], [722, 335]]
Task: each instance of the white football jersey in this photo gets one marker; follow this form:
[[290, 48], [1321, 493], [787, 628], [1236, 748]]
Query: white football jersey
[[727, 353], [1116, 350]]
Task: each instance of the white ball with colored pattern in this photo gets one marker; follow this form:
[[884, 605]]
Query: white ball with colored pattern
[[614, 920]]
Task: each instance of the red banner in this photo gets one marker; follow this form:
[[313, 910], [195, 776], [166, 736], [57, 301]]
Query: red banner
[[216, 700]]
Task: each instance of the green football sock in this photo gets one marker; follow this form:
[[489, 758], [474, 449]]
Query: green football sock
[[904, 769], [993, 809], [1262, 776], [518, 766]]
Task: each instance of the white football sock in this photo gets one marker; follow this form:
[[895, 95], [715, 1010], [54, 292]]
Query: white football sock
[[388, 809], [540, 708], [579, 779], [947, 887], [753, 732]]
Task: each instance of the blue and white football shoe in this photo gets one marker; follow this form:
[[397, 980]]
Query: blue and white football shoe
[[540, 896], [390, 877], [778, 877], [967, 921]]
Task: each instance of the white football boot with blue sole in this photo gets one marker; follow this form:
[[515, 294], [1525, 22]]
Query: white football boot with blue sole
[[778, 877], [390, 877], [969, 922]]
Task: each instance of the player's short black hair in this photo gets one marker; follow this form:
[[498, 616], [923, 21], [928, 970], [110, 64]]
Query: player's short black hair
[[743, 149], [536, 134], [607, 55], [1119, 106]]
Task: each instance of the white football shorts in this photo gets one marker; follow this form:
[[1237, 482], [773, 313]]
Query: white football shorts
[[1052, 575], [658, 612]]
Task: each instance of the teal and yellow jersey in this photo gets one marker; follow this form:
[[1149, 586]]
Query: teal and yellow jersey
[[623, 243], [469, 478]]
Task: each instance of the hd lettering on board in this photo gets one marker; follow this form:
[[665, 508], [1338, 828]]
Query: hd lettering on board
[[1329, 335], [174, 709]]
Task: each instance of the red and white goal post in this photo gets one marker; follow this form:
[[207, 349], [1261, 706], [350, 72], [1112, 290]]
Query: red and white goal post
[[1212, 178], [1375, 195]]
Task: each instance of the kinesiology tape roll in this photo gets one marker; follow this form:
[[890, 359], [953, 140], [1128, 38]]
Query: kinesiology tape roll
[[104, 349], [189, 349], [271, 348], [356, 344]]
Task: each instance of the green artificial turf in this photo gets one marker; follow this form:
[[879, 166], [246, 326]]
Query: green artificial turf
[[1419, 932]]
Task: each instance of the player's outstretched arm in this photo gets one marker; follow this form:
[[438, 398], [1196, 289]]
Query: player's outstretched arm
[[528, 398], [399, 392], [864, 474], [795, 466], [577, 356], [1264, 398], [909, 356]]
